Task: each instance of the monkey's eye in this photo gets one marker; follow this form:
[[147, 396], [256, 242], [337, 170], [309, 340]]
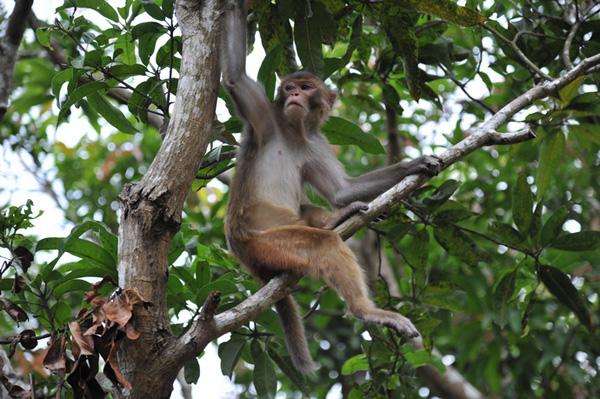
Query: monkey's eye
[[305, 87], [289, 88]]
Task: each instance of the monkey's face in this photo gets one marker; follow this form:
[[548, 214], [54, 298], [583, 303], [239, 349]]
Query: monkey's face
[[298, 96], [306, 100]]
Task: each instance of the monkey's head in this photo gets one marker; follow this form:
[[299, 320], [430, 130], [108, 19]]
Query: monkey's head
[[303, 97]]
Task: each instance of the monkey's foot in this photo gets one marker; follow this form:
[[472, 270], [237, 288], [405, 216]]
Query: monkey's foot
[[428, 165], [393, 320], [404, 326], [345, 213]]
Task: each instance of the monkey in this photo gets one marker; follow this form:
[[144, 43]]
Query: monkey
[[271, 227]]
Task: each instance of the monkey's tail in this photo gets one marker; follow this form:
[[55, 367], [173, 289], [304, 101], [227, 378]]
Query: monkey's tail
[[295, 337]]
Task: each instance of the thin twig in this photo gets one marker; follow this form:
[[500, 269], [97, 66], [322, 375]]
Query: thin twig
[[534, 68], [462, 87], [567, 46]]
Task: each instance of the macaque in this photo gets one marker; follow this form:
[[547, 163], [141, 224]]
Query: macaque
[[271, 226]]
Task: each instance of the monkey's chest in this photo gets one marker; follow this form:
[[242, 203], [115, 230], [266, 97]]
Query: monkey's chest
[[279, 178]]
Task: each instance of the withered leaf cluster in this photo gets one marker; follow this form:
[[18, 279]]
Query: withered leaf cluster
[[97, 332]]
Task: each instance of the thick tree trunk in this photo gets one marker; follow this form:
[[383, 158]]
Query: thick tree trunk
[[151, 209], [9, 44]]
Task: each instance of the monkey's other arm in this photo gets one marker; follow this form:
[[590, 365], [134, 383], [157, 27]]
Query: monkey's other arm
[[316, 216], [369, 185], [326, 174], [249, 96]]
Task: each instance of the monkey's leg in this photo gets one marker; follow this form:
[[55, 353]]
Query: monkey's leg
[[322, 254]]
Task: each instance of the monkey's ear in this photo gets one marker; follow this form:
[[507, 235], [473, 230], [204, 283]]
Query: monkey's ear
[[331, 96]]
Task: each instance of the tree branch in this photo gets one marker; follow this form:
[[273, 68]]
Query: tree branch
[[568, 42], [9, 44], [16, 22]]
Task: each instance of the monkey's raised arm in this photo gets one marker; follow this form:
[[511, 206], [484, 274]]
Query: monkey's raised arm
[[249, 97]]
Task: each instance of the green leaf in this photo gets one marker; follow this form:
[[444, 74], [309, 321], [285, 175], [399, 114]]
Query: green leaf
[[559, 284], [112, 114], [417, 246], [569, 92], [451, 212], [536, 224], [100, 6], [59, 78], [421, 357], [167, 7], [163, 56], [522, 204], [285, 365], [186, 277], [62, 312], [503, 293], [230, 353], [125, 49], [457, 243], [70, 286], [308, 43], [6, 284], [139, 30], [553, 226], [445, 297], [81, 268], [123, 71], [202, 272], [586, 131], [153, 10], [264, 377], [581, 241], [442, 193], [147, 45], [506, 234], [81, 248], [355, 363], [552, 150], [78, 94], [342, 132], [266, 73], [176, 249], [43, 37], [191, 371], [449, 11]]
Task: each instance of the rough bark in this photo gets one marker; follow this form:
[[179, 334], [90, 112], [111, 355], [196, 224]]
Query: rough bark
[[9, 44], [151, 209]]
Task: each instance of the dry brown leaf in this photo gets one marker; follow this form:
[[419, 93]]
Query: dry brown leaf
[[55, 359], [85, 343], [14, 311], [118, 309], [24, 256], [112, 367]]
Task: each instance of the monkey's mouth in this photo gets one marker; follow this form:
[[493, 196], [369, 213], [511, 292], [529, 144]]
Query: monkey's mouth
[[295, 103]]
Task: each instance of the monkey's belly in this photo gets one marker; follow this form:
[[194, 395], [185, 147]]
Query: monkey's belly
[[264, 216], [249, 221]]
